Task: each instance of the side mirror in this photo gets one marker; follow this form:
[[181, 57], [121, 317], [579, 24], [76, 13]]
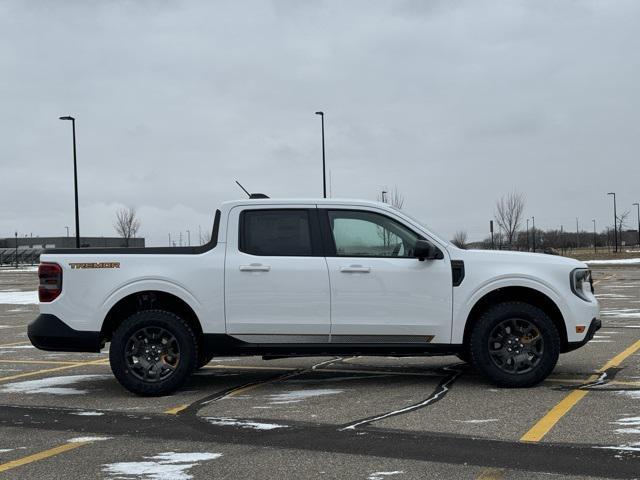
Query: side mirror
[[425, 250]]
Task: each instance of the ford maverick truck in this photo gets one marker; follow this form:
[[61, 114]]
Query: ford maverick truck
[[313, 278]]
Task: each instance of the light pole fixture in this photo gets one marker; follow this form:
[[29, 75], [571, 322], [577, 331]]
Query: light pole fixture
[[324, 176], [638, 205], [615, 222], [75, 176], [533, 227]]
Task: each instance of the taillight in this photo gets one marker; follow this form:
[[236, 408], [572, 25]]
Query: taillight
[[50, 275]]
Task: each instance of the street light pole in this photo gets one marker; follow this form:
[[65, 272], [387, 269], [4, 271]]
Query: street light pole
[[324, 176], [189, 238], [615, 222], [595, 237], [577, 234], [638, 205], [16, 249], [527, 234], [75, 176], [533, 220], [384, 196], [67, 231]]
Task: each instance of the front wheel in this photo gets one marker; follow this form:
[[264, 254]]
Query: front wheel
[[153, 352], [515, 344]]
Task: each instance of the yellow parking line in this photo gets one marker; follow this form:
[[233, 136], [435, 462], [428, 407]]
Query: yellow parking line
[[492, 474], [40, 362], [49, 370], [176, 410], [546, 423], [14, 344], [41, 455]]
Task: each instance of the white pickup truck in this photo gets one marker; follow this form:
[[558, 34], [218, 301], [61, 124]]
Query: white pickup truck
[[313, 278]]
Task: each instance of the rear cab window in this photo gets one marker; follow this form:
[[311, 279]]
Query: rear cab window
[[278, 232]]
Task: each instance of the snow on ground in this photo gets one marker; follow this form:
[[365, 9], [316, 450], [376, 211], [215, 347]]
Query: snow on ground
[[243, 423], [88, 414], [630, 424], [18, 298], [165, 466], [34, 268], [621, 312], [52, 385], [296, 396], [380, 475], [486, 420], [618, 261], [88, 439]]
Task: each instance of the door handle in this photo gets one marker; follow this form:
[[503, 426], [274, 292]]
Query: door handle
[[355, 269], [255, 267]]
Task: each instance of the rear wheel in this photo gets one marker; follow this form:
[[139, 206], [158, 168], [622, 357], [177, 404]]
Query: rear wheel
[[515, 344], [153, 352]]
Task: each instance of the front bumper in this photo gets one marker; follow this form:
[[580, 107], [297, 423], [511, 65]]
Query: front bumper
[[595, 325], [48, 332]]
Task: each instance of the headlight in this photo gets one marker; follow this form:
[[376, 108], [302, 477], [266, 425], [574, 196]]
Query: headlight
[[581, 283]]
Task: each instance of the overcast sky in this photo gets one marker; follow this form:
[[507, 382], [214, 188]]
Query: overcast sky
[[455, 103]]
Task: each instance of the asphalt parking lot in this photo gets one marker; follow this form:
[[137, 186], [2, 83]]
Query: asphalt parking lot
[[64, 415]]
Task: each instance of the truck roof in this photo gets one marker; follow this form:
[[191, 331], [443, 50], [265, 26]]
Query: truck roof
[[305, 201]]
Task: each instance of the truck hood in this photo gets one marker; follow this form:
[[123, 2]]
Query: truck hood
[[514, 258]]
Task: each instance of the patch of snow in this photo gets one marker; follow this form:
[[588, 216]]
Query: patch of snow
[[17, 347], [622, 313], [88, 414], [19, 270], [486, 420], [5, 450], [243, 423], [611, 295], [633, 447], [165, 466], [618, 261], [296, 396], [380, 475], [88, 439], [631, 424], [51, 386], [635, 394], [19, 298]]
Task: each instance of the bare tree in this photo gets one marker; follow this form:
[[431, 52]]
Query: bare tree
[[622, 223], [460, 239], [127, 224], [508, 214]]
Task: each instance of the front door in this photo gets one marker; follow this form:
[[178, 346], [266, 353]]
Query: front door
[[381, 293], [276, 280]]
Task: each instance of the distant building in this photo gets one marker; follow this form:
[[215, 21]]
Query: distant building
[[30, 248]]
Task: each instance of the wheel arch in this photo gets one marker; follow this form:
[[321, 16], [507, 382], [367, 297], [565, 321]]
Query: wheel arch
[[517, 293], [148, 300]]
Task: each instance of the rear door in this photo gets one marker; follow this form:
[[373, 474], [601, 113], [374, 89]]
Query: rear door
[[276, 278], [381, 293]]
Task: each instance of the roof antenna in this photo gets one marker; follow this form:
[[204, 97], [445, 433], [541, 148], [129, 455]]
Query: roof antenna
[[251, 195], [245, 190]]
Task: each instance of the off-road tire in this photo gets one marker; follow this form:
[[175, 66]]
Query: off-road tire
[[185, 339], [494, 316]]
